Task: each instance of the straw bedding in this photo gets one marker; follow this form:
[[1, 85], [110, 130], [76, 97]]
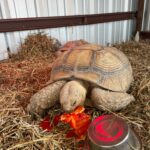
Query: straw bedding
[[29, 70]]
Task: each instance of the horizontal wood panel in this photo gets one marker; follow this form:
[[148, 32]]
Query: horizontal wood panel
[[145, 34], [20, 24]]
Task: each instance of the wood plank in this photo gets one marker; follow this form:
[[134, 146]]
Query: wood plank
[[145, 34], [19, 24]]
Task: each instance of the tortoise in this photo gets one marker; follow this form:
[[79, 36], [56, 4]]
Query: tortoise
[[104, 72]]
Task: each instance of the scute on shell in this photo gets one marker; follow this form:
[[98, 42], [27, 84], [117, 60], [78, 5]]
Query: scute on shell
[[106, 67]]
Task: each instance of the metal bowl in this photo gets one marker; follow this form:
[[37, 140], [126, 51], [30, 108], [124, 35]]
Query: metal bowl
[[109, 132]]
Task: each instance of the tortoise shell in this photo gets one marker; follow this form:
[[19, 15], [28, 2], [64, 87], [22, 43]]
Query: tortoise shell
[[106, 67]]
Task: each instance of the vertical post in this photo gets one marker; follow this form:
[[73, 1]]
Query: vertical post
[[140, 15], [139, 19]]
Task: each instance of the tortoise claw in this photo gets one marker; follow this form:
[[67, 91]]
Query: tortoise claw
[[35, 115]]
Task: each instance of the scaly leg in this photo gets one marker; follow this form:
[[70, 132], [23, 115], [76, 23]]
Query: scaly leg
[[45, 98], [110, 100]]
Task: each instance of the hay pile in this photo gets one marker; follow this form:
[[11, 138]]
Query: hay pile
[[28, 72], [138, 113], [36, 45]]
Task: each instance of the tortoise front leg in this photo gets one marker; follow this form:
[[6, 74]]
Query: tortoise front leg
[[110, 100], [45, 98]]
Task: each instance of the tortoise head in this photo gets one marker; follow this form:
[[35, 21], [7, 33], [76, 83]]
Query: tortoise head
[[72, 95]]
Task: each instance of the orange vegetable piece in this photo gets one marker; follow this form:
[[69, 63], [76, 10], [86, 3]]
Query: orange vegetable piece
[[79, 110], [78, 120]]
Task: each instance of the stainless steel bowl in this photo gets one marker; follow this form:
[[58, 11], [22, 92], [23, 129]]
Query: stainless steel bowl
[[109, 132]]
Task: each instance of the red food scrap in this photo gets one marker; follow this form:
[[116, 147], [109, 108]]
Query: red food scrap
[[70, 134], [56, 120], [46, 124]]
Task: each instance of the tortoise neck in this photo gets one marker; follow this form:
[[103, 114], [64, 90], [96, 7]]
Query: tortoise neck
[[85, 84]]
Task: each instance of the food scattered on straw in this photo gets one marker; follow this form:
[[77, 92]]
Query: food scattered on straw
[[29, 71], [79, 121], [48, 125]]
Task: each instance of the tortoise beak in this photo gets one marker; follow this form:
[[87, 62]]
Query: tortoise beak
[[68, 110]]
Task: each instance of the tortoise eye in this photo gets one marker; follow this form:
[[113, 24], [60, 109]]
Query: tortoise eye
[[73, 103]]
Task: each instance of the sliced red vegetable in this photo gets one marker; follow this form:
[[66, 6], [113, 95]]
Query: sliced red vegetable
[[78, 120], [45, 124], [56, 120], [71, 134]]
